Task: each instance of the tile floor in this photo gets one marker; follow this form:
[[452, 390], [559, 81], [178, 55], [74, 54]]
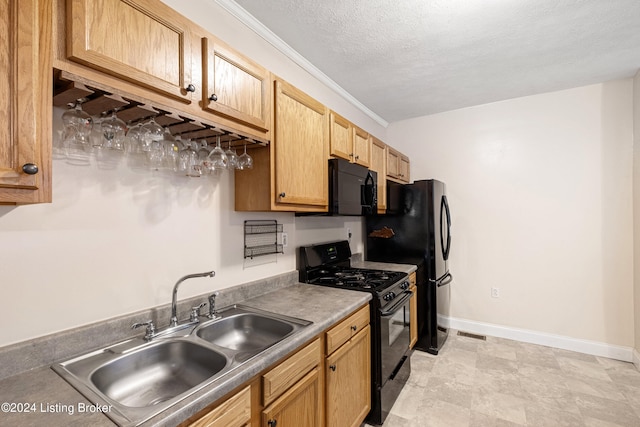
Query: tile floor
[[499, 382]]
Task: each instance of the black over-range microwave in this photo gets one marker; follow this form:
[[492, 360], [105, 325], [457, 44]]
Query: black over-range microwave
[[353, 189]]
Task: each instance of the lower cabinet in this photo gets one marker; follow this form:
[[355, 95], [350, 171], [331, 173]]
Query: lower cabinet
[[298, 406], [348, 382], [348, 371]]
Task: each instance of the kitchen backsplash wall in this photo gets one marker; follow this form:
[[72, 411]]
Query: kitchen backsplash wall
[[540, 190]]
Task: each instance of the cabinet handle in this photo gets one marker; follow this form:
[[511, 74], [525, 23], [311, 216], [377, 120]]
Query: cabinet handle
[[213, 97], [354, 327], [190, 88], [351, 155], [282, 195], [357, 157], [272, 423], [332, 367], [30, 168]]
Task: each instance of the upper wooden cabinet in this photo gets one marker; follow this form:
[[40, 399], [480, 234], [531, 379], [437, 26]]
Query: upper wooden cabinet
[[397, 166], [348, 141], [234, 87], [379, 164], [292, 173], [25, 101], [301, 142], [361, 147], [142, 41]]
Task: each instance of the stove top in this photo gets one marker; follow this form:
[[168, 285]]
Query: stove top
[[354, 278]]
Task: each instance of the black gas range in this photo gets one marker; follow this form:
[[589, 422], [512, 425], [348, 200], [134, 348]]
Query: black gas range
[[329, 264]]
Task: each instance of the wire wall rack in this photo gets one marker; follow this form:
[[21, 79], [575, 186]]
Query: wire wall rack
[[261, 238]]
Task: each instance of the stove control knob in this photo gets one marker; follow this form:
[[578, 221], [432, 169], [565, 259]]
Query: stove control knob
[[404, 286], [387, 297], [393, 295]]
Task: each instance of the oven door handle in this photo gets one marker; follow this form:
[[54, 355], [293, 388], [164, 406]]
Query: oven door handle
[[397, 305]]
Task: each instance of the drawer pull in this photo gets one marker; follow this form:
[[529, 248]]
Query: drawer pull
[[354, 328]]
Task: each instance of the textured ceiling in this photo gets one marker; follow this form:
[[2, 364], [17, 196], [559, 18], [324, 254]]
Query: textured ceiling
[[408, 58]]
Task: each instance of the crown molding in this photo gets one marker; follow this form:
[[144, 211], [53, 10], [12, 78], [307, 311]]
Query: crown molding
[[259, 28]]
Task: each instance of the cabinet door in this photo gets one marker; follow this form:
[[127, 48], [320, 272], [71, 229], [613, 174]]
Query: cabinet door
[[379, 164], [234, 87], [341, 137], [301, 148], [348, 382], [404, 168], [141, 41], [393, 163], [25, 101], [298, 406], [361, 147]]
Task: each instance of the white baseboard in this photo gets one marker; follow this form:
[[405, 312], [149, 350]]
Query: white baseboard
[[626, 354]]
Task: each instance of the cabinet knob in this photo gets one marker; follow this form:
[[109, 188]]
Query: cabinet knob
[[351, 155], [30, 168], [354, 327], [282, 195], [332, 367], [272, 423], [357, 157], [190, 88], [213, 97]]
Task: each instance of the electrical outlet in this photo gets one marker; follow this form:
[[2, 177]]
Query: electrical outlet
[[495, 292], [285, 240], [349, 234]]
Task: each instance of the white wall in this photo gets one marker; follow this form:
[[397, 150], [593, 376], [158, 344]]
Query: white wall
[[115, 241], [541, 195]]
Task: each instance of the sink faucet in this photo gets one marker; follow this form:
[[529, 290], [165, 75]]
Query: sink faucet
[[174, 299]]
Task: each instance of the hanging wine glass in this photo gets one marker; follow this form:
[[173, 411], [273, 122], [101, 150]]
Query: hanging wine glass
[[113, 132], [245, 161], [76, 134], [188, 162], [217, 159], [171, 151], [232, 157], [77, 124], [150, 132]]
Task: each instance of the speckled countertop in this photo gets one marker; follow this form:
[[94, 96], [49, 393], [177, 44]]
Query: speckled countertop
[[53, 402]]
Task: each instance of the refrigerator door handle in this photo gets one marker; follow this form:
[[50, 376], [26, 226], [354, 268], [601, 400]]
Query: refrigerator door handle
[[445, 248], [446, 279]]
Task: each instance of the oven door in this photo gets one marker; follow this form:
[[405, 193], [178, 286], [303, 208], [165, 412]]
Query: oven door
[[394, 327]]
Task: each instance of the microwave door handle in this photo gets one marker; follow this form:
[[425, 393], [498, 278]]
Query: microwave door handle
[[368, 191], [397, 305]]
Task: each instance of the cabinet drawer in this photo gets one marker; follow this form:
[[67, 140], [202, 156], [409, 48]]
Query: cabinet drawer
[[341, 333], [279, 379], [235, 412]]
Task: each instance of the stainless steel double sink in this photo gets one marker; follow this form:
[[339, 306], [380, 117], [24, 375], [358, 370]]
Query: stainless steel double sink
[[140, 379]]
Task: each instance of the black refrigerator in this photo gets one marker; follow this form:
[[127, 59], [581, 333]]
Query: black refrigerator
[[416, 230]]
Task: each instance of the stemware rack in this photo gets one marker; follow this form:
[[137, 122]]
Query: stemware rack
[[261, 238], [98, 101]]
